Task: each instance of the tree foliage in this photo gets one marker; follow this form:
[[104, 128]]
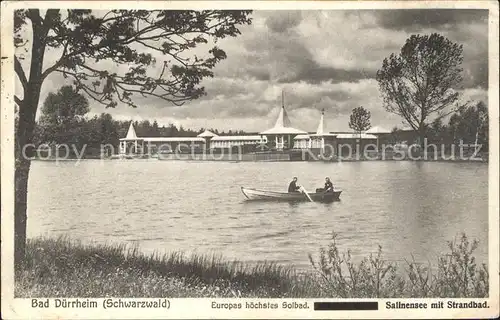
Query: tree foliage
[[471, 124], [153, 45], [89, 134], [64, 106], [468, 126], [116, 56], [359, 120], [65, 120], [421, 81]]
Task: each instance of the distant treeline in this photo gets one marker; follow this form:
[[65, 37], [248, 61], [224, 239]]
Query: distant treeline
[[468, 126], [103, 129], [64, 120]]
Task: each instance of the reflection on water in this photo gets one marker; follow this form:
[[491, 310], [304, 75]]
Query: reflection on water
[[406, 207]]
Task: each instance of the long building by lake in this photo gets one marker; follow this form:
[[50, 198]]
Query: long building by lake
[[283, 137]]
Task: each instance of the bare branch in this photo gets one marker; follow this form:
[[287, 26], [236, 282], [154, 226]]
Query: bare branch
[[18, 101], [59, 62], [91, 93], [20, 73], [458, 108]]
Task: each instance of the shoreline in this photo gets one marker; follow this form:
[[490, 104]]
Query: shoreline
[[59, 267], [189, 157]]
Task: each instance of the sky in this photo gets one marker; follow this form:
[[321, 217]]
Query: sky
[[320, 60]]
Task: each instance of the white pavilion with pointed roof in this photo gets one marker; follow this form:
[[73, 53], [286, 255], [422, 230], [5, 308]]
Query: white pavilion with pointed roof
[[131, 135], [282, 133], [315, 140], [201, 143], [131, 140], [282, 136], [318, 139]]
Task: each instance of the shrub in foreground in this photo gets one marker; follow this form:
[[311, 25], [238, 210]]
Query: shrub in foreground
[[457, 274]]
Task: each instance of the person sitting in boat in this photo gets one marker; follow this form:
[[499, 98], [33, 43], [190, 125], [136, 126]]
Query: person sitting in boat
[[328, 185], [293, 187]]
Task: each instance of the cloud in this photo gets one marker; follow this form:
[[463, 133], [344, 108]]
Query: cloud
[[340, 40], [283, 21], [474, 38], [279, 51], [416, 19], [320, 59]]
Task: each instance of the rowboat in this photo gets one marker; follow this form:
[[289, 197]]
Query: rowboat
[[262, 195]]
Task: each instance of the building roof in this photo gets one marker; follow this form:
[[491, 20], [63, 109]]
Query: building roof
[[355, 136], [283, 125], [314, 135], [324, 135], [320, 131], [377, 129], [283, 120], [283, 130], [173, 139], [237, 138], [131, 135], [302, 137], [207, 134]]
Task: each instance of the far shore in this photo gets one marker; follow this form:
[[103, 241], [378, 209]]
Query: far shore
[[480, 158]]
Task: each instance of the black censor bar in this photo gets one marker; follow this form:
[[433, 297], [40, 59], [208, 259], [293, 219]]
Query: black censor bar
[[354, 305]]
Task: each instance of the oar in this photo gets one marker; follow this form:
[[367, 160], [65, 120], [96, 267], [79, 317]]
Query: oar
[[307, 194]]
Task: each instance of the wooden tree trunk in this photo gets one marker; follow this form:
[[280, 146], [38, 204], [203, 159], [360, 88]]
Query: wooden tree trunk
[[24, 137], [421, 135], [20, 206]]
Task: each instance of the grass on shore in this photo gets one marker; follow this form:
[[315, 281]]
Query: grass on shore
[[63, 268], [60, 267]]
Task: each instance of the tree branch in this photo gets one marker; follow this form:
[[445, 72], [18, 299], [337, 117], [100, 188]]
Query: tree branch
[[85, 88], [20, 72], [34, 16], [104, 43], [18, 101], [178, 102], [453, 110], [57, 64]]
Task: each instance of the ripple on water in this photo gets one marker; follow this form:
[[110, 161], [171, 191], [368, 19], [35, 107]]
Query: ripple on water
[[407, 208], [273, 235]]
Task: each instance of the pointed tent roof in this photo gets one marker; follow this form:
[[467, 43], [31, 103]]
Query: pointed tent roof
[[283, 120], [207, 134], [131, 135], [283, 125], [320, 130]]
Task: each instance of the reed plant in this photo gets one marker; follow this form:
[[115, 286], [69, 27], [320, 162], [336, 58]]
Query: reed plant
[[457, 275]]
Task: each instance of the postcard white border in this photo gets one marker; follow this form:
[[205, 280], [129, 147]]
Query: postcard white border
[[200, 307]]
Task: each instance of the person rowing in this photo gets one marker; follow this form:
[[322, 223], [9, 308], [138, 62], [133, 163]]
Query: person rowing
[[293, 187]]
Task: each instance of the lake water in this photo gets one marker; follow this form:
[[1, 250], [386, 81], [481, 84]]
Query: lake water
[[406, 207]]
